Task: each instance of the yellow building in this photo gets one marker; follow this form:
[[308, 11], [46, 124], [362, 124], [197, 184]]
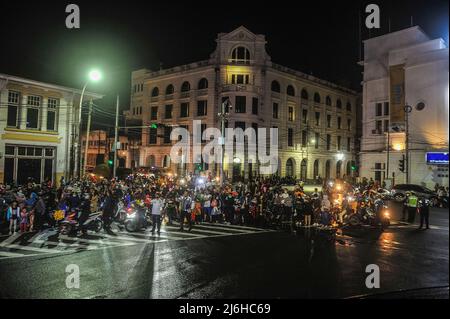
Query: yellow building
[[36, 129]]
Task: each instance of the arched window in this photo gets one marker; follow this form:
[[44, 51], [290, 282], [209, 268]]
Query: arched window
[[166, 161], [328, 100], [240, 55], [203, 84], [327, 169], [170, 89], [185, 87], [155, 92], [290, 167], [275, 86], [349, 106], [317, 97], [339, 104], [290, 90], [304, 169], [338, 169], [304, 94], [316, 169]]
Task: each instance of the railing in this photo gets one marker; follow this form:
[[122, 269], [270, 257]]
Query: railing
[[154, 99], [184, 95], [169, 97], [202, 92], [241, 88]]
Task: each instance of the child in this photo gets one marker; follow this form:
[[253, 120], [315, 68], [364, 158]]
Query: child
[[23, 220], [12, 215]]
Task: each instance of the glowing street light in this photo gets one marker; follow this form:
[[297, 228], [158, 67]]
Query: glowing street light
[[95, 75]]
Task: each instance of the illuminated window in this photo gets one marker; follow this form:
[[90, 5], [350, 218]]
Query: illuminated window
[[240, 79], [290, 114]]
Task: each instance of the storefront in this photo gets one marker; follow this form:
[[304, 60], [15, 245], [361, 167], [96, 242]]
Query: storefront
[[24, 162]]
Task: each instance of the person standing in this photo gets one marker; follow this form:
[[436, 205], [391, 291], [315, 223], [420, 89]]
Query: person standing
[[13, 215], [424, 211], [157, 205], [412, 204], [185, 204]]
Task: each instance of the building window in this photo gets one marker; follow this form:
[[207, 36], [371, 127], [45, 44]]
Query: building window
[[170, 89], [386, 108], [240, 79], [184, 109], [13, 108], [290, 114], [386, 125], [349, 143], [167, 131], [275, 110], [339, 143], [52, 109], [317, 97], [240, 55], [317, 117], [154, 113], [290, 90], [339, 122], [304, 115], [185, 87], [290, 137], [338, 104], [328, 142], [329, 120], [152, 136], [203, 84], [316, 140], [202, 107], [378, 127], [255, 103], [186, 127], [328, 100], [349, 106], [304, 138], [379, 108], [33, 105], [275, 86], [240, 104], [168, 113], [349, 124], [155, 92]]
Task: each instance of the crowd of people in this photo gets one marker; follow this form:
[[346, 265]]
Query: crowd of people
[[194, 199]]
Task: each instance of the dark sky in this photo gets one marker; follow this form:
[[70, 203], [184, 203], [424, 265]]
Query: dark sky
[[320, 37]]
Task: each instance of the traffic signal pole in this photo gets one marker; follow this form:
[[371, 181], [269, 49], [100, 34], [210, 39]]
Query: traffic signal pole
[[116, 129]]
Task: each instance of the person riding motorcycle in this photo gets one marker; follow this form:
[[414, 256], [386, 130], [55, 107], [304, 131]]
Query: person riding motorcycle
[[85, 210]]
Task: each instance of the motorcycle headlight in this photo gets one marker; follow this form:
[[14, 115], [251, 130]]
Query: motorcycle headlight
[[387, 214], [131, 216]]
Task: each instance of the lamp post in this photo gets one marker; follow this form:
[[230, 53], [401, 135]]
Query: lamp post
[[223, 115], [94, 76]]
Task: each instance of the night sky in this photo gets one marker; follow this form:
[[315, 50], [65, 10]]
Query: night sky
[[320, 38]]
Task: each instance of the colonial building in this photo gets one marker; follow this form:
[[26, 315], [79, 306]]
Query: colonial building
[[405, 68], [36, 129], [316, 119]]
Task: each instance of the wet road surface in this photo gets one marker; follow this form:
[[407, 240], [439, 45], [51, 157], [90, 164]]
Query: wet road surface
[[218, 261]]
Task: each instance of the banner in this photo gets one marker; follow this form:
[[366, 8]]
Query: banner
[[397, 96]]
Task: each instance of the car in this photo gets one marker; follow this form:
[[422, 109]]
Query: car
[[399, 191]]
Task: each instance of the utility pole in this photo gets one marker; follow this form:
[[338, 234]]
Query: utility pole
[[116, 129], [408, 110], [83, 172], [222, 116]]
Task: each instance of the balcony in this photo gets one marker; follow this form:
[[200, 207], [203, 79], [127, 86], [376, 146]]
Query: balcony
[[184, 95], [169, 97], [202, 92], [241, 88], [154, 99]]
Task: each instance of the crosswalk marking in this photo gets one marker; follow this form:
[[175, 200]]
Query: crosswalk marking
[[22, 245]]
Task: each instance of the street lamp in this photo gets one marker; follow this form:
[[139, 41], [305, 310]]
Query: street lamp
[[94, 76]]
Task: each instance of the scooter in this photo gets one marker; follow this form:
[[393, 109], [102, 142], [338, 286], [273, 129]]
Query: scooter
[[71, 225], [136, 218]]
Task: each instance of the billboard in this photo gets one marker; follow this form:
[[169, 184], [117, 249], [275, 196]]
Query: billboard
[[437, 158], [397, 96]]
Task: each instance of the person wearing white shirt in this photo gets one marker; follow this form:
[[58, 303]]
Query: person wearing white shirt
[[157, 205]]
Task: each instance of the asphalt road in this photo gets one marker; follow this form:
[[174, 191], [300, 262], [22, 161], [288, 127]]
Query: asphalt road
[[227, 262]]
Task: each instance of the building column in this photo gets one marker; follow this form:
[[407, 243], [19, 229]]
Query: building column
[[23, 112], [43, 125]]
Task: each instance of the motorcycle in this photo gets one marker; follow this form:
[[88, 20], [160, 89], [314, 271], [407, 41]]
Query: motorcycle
[[137, 218], [71, 224], [369, 217]]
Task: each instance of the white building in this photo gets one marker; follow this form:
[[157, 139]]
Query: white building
[[405, 68], [316, 119], [36, 129]]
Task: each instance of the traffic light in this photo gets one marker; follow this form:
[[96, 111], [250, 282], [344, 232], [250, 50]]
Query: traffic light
[[111, 159], [401, 164], [154, 125], [354, 167]]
